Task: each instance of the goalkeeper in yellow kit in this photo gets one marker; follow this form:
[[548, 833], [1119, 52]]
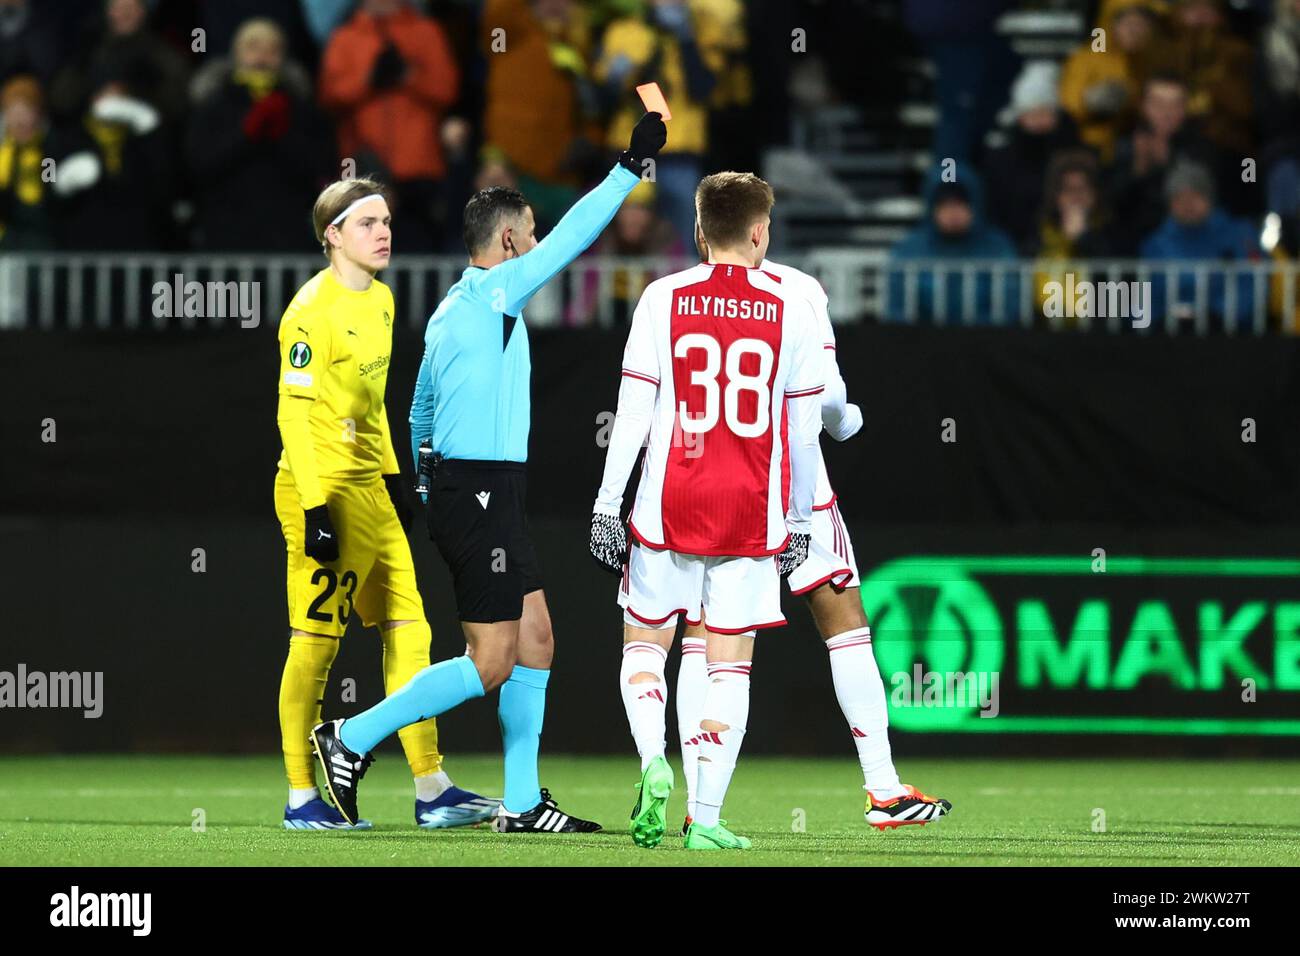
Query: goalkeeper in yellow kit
[[342, 508]]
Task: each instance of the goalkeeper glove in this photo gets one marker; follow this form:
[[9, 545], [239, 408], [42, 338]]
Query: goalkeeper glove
[[648, 137], [795, 553], [322, 541], [608, 542], [397, 492]]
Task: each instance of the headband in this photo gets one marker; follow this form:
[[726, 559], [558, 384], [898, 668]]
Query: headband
[[344, 214]]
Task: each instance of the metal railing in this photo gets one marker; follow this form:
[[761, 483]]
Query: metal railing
[[1143, 295], [158, 291]]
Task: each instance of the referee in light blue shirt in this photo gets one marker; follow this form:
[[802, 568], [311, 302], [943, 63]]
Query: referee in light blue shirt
[[472, 406]]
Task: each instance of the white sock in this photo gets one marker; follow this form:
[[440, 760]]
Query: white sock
[[646, 703], [300, 798], [861, 694], [726, 702], [431, 786], [692, 685]]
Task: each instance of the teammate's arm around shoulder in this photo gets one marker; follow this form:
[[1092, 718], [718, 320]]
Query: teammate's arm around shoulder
[[841, 418], [803, 389], [306, 347], [522, 276], [637, 395]]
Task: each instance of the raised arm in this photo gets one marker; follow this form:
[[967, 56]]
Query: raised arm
[[520, 278]]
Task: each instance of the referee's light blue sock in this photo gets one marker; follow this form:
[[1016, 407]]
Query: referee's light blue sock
[[433, 691], [522, 706]]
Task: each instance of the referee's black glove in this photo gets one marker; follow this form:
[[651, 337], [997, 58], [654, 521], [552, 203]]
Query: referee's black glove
[[648, 137], [397, 492], [608, 542], [795, 553], [322, 541]]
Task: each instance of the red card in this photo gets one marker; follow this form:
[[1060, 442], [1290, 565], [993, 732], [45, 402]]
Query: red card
[[654, 101]]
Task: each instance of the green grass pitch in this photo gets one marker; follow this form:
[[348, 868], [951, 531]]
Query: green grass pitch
[[140, 810]]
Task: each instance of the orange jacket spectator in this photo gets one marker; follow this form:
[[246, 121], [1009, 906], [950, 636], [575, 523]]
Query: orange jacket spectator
[[532, 112], [399, 119]]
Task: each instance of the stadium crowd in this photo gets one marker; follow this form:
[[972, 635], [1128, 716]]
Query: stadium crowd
[[1170, 134], [209, 125]]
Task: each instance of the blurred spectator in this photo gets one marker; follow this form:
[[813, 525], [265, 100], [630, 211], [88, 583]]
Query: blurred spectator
[[734, 134], [256, 147], [264, 49], [1279, 106], [534, 114], [323, 17], [636, 231], [682, 47], [24, 215], [127, 52], [1164, 135], [494, 170], [116, 178], [1281, 243], [1197, 229], [388, 75], [1015, 172], [954, 229], [29, 40], [1101, 88], [974, 66], [1217, 68], [1073, 223], [222, 19]]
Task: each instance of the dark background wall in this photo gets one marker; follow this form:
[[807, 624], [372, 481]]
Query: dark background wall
[[167, 442]]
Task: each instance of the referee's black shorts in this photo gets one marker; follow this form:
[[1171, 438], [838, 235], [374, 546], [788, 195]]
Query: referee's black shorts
[[476, 517]]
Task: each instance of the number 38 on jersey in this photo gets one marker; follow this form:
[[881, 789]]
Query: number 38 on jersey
[[747, 366]]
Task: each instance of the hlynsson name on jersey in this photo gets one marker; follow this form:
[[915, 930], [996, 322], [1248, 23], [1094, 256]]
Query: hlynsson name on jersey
[[724, 307]]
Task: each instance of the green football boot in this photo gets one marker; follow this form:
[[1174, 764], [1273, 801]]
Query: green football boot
[[652, 800], [700, 837]]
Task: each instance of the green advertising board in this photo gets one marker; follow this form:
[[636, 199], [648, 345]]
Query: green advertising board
[[1088, 644]]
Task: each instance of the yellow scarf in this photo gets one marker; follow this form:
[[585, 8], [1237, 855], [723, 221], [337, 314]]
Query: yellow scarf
[[111, 137], [258, 82], [21, 167], [23, 164]]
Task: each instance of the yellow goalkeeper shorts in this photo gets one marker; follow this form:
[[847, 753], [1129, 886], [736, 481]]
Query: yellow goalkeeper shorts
[[374, 575]]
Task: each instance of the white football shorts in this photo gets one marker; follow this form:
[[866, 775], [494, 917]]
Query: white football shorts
[[736, 594], [830, 554]]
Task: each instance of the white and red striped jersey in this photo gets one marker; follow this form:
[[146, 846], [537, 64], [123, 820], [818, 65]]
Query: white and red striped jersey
[[812, 290], [725, 347]]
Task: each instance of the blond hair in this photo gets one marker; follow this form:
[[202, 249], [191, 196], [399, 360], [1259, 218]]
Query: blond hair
[[336, 197]]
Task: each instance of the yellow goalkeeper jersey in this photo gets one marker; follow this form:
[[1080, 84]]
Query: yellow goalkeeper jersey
[[335, 345]]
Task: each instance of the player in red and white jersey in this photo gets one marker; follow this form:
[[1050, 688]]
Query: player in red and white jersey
[[828, 580], [722, 372]]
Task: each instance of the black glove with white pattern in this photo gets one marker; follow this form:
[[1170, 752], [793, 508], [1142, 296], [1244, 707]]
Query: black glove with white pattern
[[609, 542], [795, 553]]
